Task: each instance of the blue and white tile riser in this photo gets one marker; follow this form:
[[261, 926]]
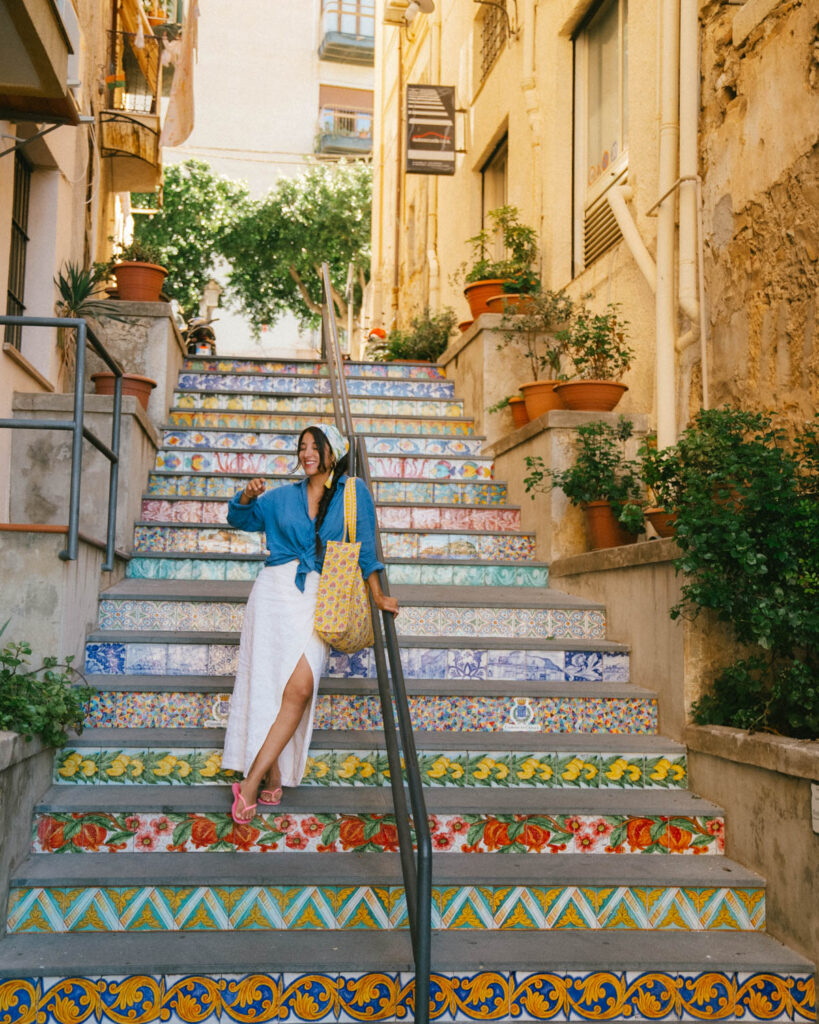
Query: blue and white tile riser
[[356, 387], [218, 659], [273, 442], [394, 371]]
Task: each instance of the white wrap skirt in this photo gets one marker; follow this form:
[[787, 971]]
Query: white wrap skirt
[[277, 631]]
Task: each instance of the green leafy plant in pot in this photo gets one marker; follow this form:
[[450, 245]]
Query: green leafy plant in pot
[[537, 330], [486, 277], [516, 405], [600, 354], [139, 272], [425, 341], [80, 296], [602, 481], [661, 473]]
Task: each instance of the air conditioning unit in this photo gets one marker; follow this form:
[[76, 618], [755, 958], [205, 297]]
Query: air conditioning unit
[[395, 12]]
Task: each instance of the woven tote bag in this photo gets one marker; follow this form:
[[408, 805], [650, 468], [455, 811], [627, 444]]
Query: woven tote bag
[[343, 608]]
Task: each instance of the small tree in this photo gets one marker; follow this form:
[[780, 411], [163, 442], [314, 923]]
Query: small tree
[[198, 207], [277, 248]]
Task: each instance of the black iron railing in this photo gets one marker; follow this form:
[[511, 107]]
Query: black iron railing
[[416, 865], [85, 337]]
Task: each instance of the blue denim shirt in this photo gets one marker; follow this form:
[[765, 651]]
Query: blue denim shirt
[[282, 514]]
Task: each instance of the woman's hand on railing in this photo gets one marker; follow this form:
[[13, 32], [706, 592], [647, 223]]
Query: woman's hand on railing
[[380, 599]]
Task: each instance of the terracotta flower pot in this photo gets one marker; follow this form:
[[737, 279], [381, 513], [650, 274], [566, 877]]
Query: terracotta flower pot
[[540, 397], [664, 522], [464, 325], [500, 303], [479, 291], [520, 416], [602, 529], [591, 395], [139, 282], [132, 384]]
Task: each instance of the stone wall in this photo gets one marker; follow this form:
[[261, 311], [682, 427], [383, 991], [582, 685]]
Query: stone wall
[[760, 163]]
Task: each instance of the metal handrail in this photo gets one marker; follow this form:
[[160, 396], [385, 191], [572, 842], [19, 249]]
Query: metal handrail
[[417, 872], [85, 336]]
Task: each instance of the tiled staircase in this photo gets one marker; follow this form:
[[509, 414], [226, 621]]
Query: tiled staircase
[[142, 901]]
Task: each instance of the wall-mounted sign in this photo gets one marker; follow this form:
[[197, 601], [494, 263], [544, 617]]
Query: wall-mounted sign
[[430, 129]]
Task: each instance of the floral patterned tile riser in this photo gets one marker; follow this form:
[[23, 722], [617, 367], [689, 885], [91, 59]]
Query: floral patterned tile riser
[[388, 997], [452, 769], [180, 710], [239, 420], [396, 544], [487, 575], [311, 404], [227, 617], [418, 662], [269, 442], [56, 910], [416, 492], [187, 831], [401, 371], [290, 385], [429, 518], [262, 463]]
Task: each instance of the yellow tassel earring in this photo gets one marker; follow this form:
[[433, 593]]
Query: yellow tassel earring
[[328, 483]]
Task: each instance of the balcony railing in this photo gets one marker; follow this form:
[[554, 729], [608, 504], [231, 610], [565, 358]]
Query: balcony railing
[[134, 72], [343, 130], [348, 31]]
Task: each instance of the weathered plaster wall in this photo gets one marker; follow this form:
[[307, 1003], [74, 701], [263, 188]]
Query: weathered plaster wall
[[760, 160]]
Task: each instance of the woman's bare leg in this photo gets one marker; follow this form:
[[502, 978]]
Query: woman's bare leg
[[297, 695]]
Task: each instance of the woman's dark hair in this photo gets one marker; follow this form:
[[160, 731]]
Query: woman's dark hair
[[325, 453]]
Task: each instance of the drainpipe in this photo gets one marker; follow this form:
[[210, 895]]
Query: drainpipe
[[666, 313], [689, 111], [399, 168], [618, 196], [531, 100]]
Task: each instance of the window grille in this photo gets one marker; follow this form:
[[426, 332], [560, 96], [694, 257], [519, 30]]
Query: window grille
[[493, 35], [17, 251]]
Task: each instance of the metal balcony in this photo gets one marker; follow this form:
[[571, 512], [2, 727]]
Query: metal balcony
[[348, 32], [345, 132]]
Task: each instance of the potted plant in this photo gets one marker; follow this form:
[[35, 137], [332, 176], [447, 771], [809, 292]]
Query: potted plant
[[139, 273], [425, 341], [602, 481], [486, 277], [79, 296], [537, 330], [597, 346], [660, 471], [516, 405]]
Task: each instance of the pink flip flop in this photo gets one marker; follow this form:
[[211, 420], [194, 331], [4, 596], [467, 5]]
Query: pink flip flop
[[241, 806], [270, 797]]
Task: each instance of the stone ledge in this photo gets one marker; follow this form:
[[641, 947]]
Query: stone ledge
[[559, 419], [799, 758], [151, 311], [13, 749], [24, 401], [485, 322], [630, 556]]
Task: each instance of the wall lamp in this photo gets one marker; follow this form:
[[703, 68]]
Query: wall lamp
[[416, 7]]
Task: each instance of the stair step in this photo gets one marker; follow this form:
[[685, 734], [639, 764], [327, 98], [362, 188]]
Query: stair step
[[400, 571], [275, 439], [136, 819], [382, 467], [414, 620], [105, 756], [229, 419], [395, 491], [288, 384], [293, 404], [190, 538], [428, 517], [230, 892], [314, 368]]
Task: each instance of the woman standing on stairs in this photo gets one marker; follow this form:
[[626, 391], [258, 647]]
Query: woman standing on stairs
[[281, 657]]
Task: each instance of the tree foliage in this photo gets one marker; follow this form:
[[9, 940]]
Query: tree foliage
[[276, 248], [198, 207]]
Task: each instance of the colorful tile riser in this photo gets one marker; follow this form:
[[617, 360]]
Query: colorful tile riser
[[272, 442], [468, 907], [382, 996]]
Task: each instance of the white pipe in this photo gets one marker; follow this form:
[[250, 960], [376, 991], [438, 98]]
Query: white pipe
[[666, 313], [689, 114], [617, 197]]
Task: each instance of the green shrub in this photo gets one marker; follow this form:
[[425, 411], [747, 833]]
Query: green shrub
[[747, 503], [427, 338], [43, 701]]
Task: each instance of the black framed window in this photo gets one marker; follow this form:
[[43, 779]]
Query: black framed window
[[15, 304]]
